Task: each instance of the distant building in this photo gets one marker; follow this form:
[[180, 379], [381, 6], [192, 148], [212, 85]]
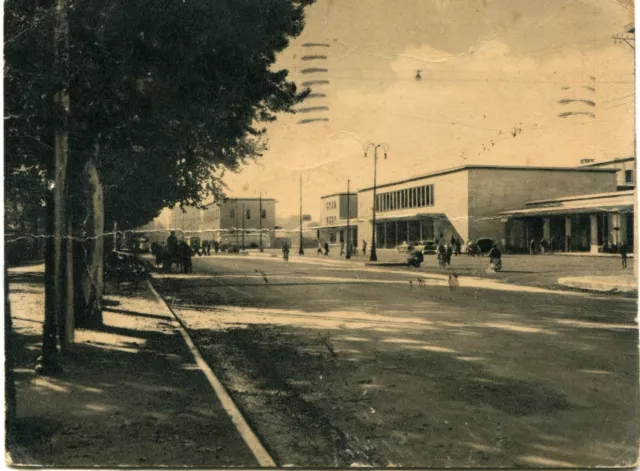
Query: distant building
[[511, 205], [231, 221], [336, 210]]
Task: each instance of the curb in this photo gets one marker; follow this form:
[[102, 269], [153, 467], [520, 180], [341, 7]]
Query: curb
[[252, 441], [385, 264]]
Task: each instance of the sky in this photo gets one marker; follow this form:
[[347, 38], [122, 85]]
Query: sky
[[493, 73]]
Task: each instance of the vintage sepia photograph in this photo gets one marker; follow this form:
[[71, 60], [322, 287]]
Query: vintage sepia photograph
[[320, 234]]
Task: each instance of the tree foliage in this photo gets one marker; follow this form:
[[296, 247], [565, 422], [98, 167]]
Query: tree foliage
[[166, 96]]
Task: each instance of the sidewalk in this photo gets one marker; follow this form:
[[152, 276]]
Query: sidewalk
[[131, 393], [622, 284]]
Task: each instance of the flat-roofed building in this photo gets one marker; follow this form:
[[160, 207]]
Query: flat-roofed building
[[473, 202], [338, 213], [238, 221]]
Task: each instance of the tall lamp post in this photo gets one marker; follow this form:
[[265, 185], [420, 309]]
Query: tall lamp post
[[236, 229], [244, 215], [301, 251], [348, 254], [373, 257], [260, 216]]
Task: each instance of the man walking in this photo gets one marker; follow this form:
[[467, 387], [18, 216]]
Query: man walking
[[364, 247], [532, 247], [342, 248], [449, 252], [623, 254]]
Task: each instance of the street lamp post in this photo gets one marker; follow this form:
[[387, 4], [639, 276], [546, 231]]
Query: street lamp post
[[236, 229], [373, 257], [260, 215], [348, 254], [244, 215], [301, 251]]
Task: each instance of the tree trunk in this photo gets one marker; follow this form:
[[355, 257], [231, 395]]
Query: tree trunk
[[92, 282], [9, 349], [48, 361], [56, 306], [67, 322]]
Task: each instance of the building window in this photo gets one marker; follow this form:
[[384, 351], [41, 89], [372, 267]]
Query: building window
[[628, 177], [232, 213], [248, 214], [417, 197], [264, 214]]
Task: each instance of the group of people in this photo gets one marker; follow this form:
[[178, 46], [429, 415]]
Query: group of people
[[205, 247], [445, 251], [545, 247], [323, 249]]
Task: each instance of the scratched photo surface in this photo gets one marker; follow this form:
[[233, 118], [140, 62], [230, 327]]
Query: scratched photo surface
[[320, 233]]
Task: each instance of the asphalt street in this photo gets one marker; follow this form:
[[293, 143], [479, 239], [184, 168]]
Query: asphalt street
[[342, 366]]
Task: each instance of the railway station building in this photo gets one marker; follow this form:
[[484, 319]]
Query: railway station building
[[579, 208]]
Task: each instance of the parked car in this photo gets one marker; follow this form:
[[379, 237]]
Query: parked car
[[427, 247], [230, 248], [480, 246], [405, 247]]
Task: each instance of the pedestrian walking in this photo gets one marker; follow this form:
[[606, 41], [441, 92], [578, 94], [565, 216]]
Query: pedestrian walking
[[441, 253], [532, 247], [543, 246], [341, 248], [185, 256], [216, 246], [319, 252], [285, 252], [623, 254], [364, 247], [448, 254], [326, 248], [458, 247]]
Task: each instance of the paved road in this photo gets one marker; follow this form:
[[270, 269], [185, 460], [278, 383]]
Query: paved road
[[336, 366]]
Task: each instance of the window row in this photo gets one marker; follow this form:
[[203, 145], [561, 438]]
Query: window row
[[409, 198], [232, 213]]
